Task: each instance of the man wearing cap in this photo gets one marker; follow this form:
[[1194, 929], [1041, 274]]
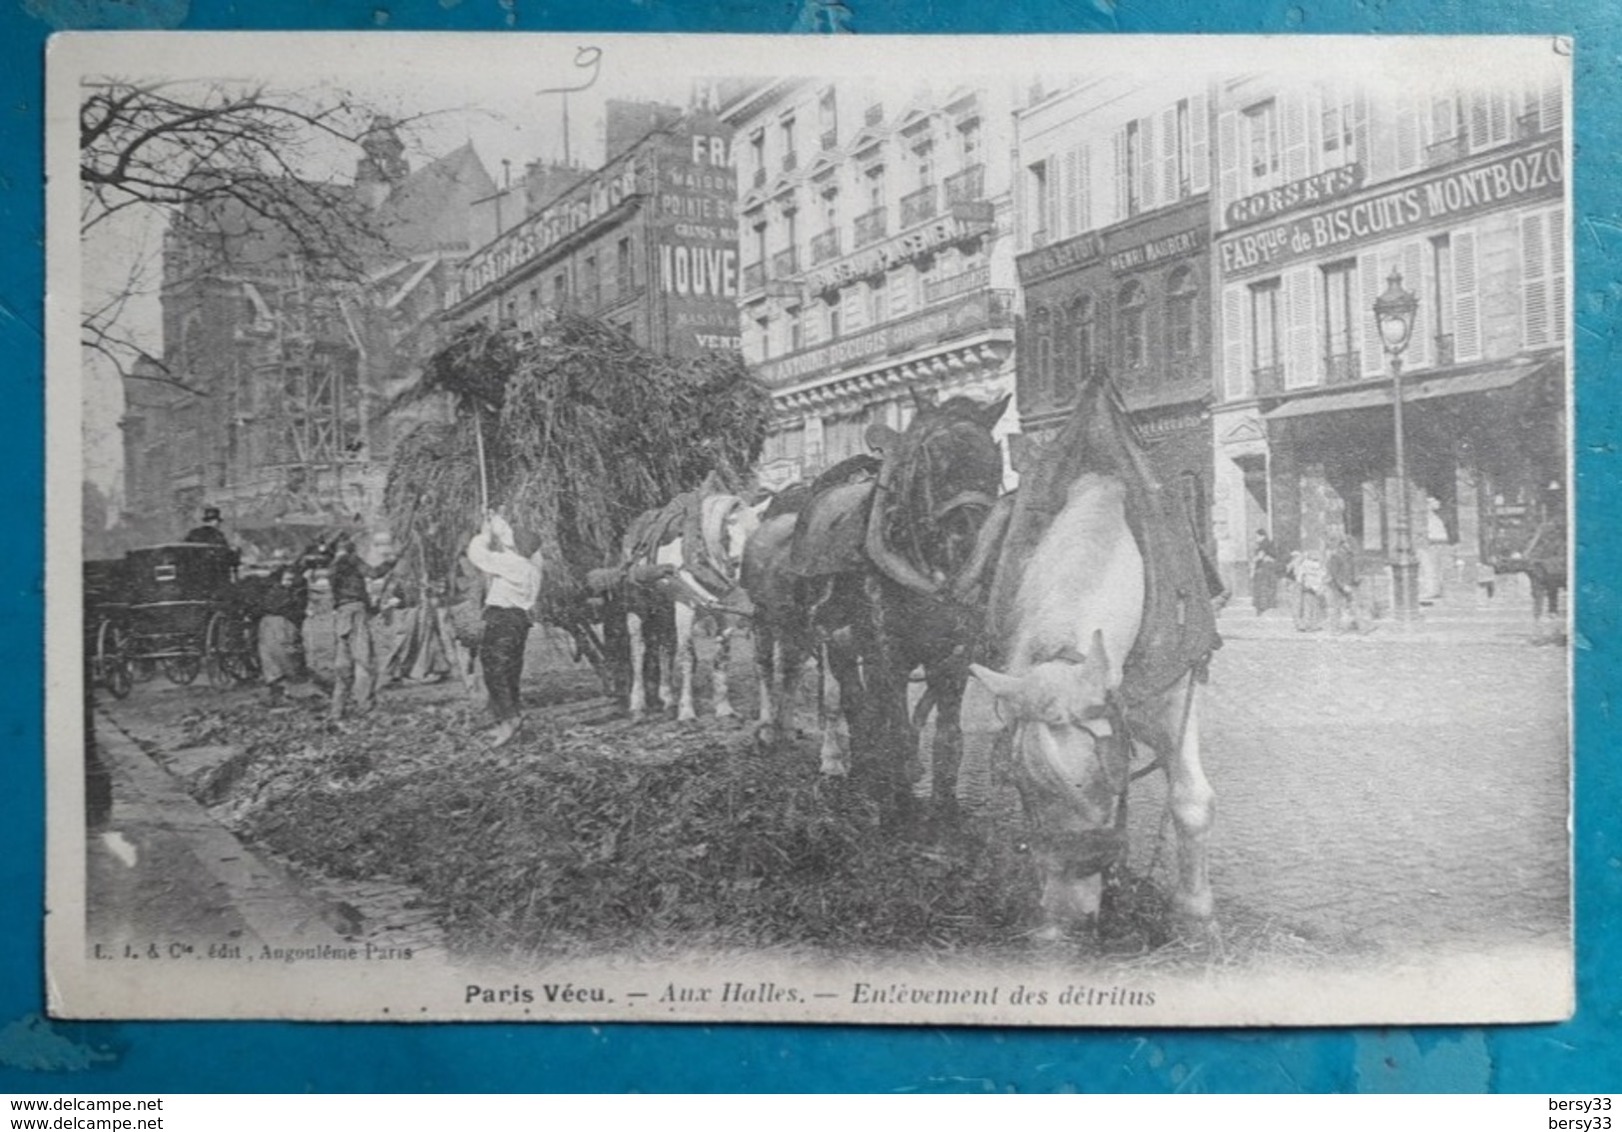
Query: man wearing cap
[[513, 583], [209, 533], [354, 665]]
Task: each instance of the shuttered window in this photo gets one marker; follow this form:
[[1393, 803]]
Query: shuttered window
[[1543, 277], [1466, 301], [1235, 367]]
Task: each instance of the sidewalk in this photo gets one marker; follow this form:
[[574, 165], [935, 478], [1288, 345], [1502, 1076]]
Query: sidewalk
[[164, 870], [1457, 620]]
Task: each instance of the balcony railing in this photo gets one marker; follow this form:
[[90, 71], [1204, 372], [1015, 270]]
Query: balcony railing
[[824, 246], [969, 185], [953, 285], [870, 226], [1444, 349], [785, 263], [1269, 380], [791, 161], [830, 139], [754, 277], [1342, 368], [918, 207]]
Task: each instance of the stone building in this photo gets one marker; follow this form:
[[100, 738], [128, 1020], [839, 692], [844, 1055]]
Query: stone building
[[1114, 242], [877, 259], [1325, 195], [289, 366], [648, 242]]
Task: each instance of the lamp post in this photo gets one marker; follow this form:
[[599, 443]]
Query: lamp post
[[1394, 316]]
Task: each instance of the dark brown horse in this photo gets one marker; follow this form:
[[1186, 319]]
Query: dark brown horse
[[868, 577]]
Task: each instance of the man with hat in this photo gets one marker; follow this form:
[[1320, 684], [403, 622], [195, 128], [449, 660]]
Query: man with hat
[[354, 666], [209, 533]]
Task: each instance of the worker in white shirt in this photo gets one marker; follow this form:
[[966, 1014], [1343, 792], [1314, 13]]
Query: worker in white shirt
[[514, 582]]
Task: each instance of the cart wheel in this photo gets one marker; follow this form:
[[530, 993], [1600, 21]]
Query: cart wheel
[[111, 666], [182, 669], [217, 656]]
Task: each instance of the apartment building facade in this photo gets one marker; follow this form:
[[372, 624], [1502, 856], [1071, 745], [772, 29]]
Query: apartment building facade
[[648, 242], [1114, 261], [1324, 196], [877, 260]]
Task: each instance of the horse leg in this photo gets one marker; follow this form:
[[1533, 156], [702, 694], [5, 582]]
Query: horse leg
[[765, 679], [1192, 801], [666, 653], [686, 661], [718, 672], [840, 705], [634, 635], [894, 757], [946, 683]]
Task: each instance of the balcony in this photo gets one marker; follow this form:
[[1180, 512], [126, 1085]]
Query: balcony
[[791, 161], [830, 140], [969, 185], [1339, 369], [824, 246], [785, 263], [1444, 349], [1268, 380], [754, 277], [952, 286], [870, 227], [918, 207]]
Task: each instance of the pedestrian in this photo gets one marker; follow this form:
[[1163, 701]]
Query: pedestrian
[[1309, 577], [1264, 573], [354, 666], [514, 582], [1342, 585], [209, 532], [281, 605]]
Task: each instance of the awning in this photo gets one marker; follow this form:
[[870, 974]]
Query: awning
[[1416, 390]]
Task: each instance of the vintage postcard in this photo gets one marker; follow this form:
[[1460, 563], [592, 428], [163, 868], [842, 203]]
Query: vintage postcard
[[1024, 531]]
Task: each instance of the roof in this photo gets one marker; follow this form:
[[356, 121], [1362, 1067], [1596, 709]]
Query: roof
[[432, 207], [1417, 390]]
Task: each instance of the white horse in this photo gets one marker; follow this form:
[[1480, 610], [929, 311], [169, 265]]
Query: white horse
[[1078, 612], [726, 523]]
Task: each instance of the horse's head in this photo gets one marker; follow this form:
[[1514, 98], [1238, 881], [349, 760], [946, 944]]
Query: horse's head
[[939, 480], [1073, 769]]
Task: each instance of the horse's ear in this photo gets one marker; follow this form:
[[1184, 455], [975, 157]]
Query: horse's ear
[[882, 438], [992, 413]]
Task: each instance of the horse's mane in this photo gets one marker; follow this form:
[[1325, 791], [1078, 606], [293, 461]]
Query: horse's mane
[[914, 492]]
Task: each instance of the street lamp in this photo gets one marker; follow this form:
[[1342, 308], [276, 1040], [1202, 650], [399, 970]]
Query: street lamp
[[1394, 316]]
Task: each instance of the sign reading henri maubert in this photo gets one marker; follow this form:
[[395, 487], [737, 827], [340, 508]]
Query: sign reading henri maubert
[[1533, 174]]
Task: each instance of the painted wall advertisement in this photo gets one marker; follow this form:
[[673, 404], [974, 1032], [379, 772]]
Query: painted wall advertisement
[[695, 232]]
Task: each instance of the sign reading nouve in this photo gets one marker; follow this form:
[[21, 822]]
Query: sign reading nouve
[[1535, 174], [926, 326]]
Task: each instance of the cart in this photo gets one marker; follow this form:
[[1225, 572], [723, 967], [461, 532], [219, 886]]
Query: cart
[[177, 609]]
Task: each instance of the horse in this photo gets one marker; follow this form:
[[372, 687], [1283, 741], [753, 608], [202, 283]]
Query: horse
[[1103, 619], [683, 564], [868, 577]]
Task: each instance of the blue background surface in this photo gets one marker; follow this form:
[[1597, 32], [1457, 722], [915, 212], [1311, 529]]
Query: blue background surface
[[1580, 1056]]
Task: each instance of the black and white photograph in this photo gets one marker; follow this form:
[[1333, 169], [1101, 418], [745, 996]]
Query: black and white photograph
[[1033, 531]]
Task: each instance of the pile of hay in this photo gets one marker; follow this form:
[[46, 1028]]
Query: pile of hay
[[563, 844], [583, 430]]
